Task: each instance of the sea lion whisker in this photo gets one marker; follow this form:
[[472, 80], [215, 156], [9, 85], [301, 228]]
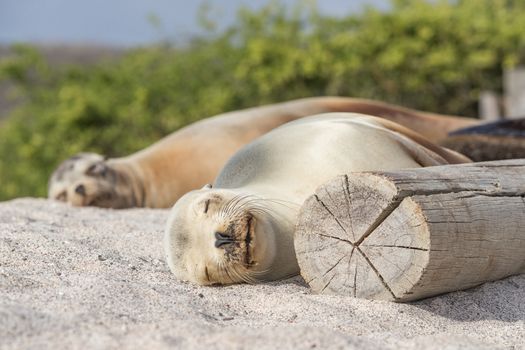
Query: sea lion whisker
[[227, 272], [257, 211], [259, 206], [235, 273], [228, 212], [232, 202], [234, 208], [264, 211], [274, 200], [246, 198], [220, 269], [259, 273], [243, 203], [247, 202], [244, 275], [231, 272], [224, 209], [281, 202]]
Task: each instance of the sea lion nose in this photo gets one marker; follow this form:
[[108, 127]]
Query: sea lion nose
[[222, 239], [81, 190]]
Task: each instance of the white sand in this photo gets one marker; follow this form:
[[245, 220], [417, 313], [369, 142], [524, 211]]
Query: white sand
[[93, 279]]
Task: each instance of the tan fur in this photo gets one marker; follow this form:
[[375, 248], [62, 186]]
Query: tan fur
[[434, 127], [160, 174], [242, 229]]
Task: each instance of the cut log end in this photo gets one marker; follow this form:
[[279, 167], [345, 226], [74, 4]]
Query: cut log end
[[356, 237], [414, 233]]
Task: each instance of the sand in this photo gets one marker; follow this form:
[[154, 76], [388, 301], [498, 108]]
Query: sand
[[89, 278]]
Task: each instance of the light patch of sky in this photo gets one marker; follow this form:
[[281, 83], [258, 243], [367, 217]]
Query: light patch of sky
[[129, 22]]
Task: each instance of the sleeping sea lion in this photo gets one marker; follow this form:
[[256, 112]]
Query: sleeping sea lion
[[241, 229], [159, 174]]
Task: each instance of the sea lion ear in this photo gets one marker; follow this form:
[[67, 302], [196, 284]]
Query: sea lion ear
[[206, 187]]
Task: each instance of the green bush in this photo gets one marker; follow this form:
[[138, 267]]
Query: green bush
[[430, 55]]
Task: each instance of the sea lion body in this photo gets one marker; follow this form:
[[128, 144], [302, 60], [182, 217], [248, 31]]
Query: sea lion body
[[161, 173], [242, 228], [504, 139]]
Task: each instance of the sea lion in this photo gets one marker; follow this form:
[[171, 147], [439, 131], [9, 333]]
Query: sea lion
[[504, 139], [159, 174], [241, 229]]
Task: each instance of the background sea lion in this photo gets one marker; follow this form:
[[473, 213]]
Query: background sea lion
[[241, 230], [503, 139], [158, 175]]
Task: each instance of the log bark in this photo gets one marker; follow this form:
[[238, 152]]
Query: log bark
[[411, 234]]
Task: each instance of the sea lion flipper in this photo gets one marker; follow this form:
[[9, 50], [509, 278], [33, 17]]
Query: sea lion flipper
[[511, 127], [503, 139]]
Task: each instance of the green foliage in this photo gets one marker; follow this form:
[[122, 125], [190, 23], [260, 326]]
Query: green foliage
[[431, 55]]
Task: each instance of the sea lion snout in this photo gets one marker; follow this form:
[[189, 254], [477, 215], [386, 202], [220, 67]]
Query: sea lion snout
[[238, 242], [81, 190], [84, 193], [211, 238], [222, 239]]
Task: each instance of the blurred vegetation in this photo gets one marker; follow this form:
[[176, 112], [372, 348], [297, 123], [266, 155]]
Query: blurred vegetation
[[430, 55]]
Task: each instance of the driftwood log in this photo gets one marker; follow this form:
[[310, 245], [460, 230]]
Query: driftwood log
[[411, 234]]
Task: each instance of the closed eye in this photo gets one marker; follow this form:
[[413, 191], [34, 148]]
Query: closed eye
[[62, 196], [98, 169], [206, 206], [206, 273]]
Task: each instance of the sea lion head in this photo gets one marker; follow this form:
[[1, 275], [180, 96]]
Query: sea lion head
[[87, 179], [220, 236]]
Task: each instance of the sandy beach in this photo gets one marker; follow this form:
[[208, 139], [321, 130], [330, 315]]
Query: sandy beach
[[89, 278]]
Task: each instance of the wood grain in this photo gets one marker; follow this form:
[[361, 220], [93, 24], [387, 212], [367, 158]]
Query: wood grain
[[416, 233]]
